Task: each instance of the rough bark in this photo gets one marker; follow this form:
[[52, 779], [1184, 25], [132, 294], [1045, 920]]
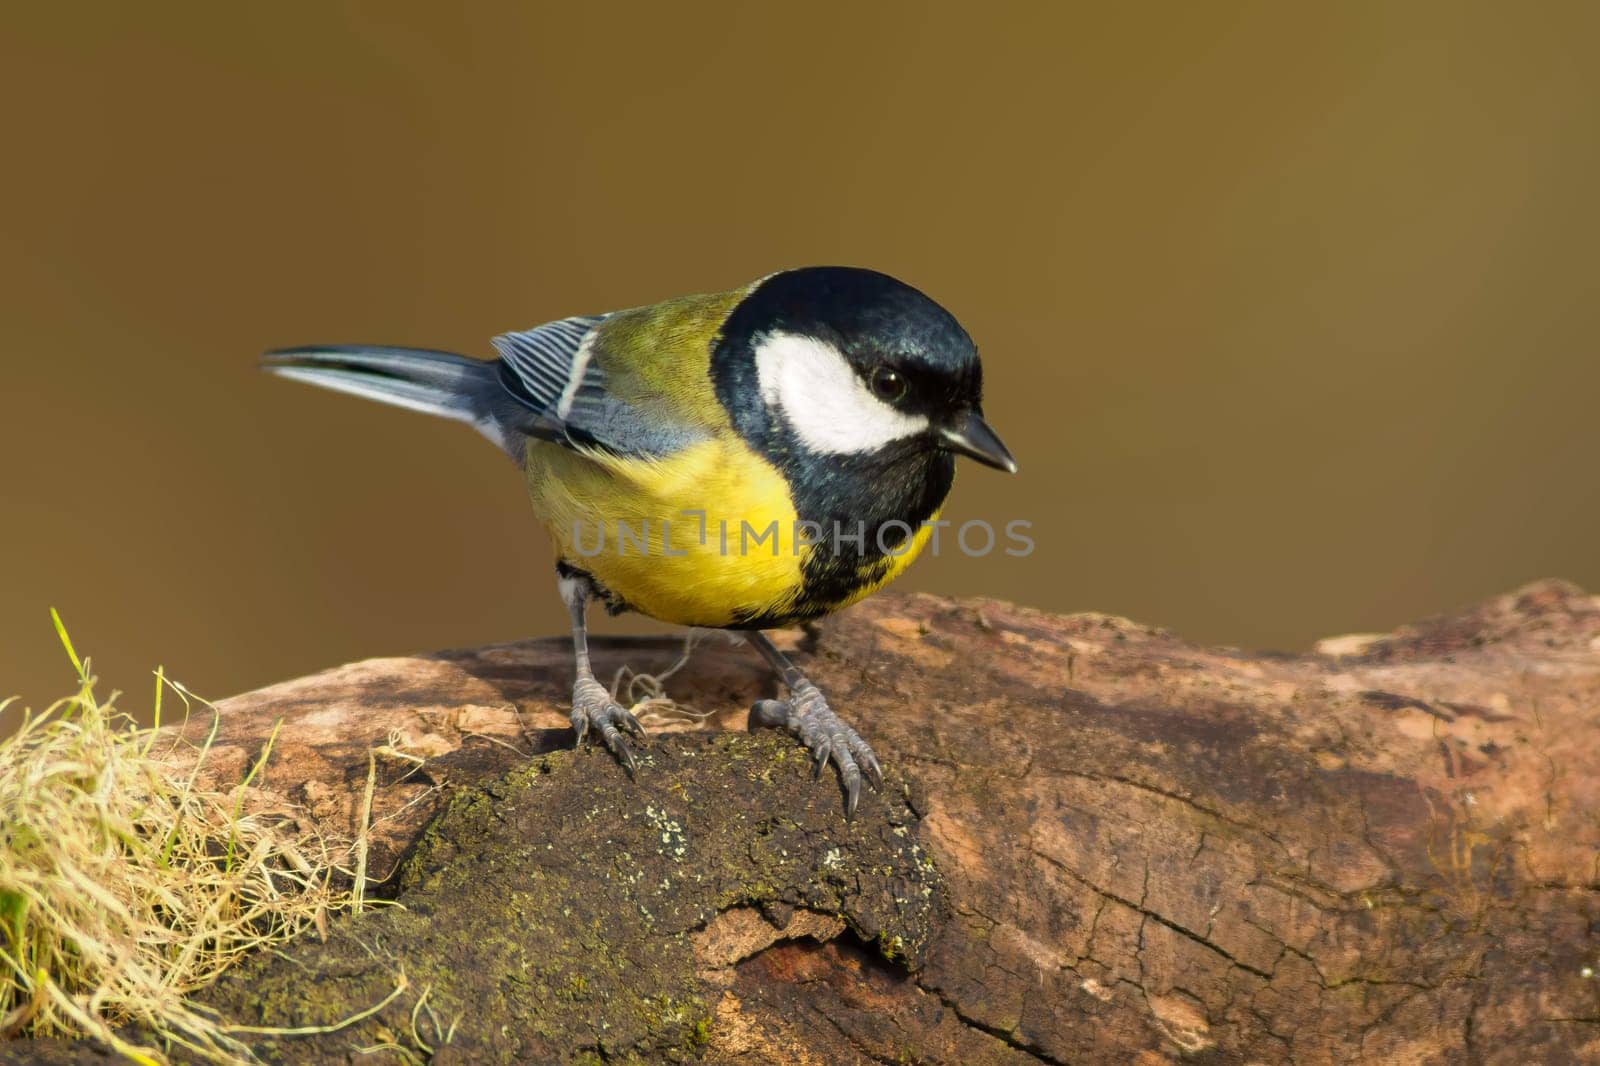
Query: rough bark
[[1098, 844]]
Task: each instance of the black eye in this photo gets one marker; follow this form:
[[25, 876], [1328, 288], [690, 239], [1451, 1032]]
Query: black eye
[[888, 384]]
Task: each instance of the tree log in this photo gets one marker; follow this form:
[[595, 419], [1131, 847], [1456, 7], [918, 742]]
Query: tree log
[[1097, 843]]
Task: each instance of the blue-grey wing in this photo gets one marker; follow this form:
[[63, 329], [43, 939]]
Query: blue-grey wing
[[551, 374], [543, 366]]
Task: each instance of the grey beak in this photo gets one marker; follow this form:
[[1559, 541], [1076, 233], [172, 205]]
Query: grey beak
[[974, 437]]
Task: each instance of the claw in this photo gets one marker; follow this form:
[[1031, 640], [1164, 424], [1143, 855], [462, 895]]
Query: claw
[[631, 725], [874, 771], [820, 753], [807, 715], [594, 709], [622, 751]]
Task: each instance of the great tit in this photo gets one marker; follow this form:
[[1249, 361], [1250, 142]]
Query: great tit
[[743, 460]]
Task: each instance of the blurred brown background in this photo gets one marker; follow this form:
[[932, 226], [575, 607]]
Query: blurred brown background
[[1289, 312]]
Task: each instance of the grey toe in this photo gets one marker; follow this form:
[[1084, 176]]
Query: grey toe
[[807, 715], [594, 709]]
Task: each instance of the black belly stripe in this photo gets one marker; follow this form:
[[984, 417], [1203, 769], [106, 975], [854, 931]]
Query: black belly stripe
[[862, 494]]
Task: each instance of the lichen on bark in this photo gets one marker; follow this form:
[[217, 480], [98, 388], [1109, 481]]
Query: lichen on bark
[[551, 911]]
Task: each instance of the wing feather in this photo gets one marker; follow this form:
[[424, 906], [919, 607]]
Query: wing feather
[[633, 383], [540, 365], [557, 372]]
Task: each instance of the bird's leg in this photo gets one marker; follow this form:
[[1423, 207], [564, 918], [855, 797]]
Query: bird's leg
[[592, 705], [807, 715]]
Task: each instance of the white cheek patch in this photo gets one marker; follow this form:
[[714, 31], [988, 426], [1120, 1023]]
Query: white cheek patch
[[829, 406]]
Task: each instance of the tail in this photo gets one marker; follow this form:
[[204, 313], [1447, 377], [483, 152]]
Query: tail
[[435, 383]]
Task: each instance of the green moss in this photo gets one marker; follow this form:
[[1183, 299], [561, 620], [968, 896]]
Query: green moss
[[550, 910]]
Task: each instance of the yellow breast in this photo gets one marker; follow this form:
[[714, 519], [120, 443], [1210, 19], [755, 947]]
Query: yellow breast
[[704, 537]]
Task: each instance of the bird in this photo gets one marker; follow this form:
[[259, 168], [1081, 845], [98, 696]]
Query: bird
[[816, 412]]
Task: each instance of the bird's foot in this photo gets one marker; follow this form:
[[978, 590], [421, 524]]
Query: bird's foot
[[807, 715], [593, 708]]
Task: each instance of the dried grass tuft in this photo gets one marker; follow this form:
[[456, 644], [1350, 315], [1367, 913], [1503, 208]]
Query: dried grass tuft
[[645, 695], [125, 885]]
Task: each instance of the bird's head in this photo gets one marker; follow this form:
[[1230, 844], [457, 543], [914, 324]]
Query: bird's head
[[851, 362]]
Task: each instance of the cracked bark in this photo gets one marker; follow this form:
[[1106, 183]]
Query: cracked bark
[[1386, 850]]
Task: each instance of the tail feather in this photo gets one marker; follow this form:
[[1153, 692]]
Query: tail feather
[[435, 383]]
